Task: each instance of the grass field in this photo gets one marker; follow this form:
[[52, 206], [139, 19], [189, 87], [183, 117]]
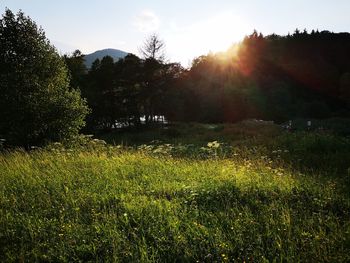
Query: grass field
[[245, 193]]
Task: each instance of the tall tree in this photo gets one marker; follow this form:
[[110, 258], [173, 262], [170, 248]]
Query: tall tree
[[153, 52], [77, 68], [36, 104], [153, 48], [100, 92]]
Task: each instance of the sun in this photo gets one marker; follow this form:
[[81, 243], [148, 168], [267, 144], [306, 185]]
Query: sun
[[216, 33], [224, 30]]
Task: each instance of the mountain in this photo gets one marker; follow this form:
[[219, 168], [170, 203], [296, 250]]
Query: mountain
[[114, 53]]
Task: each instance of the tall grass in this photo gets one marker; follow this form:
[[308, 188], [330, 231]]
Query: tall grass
[[212, 204]]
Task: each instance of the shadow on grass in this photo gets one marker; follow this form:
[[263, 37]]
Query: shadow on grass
[[251, 224]]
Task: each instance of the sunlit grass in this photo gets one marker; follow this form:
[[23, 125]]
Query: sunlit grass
[[112, 204]]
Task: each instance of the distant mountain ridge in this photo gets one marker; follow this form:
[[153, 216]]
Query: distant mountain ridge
[[116, 54]]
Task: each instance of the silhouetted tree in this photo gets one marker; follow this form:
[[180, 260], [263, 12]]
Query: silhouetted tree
[[267, 77], [153, 48], [77, 68]]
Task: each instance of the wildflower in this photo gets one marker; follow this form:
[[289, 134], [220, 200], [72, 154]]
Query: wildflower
[[214, 144]]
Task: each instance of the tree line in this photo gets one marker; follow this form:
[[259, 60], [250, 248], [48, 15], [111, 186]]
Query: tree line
[[301, 75], [48, 97], [127, 90]]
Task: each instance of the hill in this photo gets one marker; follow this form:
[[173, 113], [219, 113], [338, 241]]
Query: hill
[[116, 54]]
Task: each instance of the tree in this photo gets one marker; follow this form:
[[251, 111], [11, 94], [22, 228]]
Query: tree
[[77, 68], [129, 81], [36, 104], [102, 86], [153, 48]]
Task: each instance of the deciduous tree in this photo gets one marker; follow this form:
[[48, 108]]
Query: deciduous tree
[[36, 104]]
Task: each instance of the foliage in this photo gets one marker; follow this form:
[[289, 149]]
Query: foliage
[[121, 93], [279, 78], [272, 78], [323, 147], [77, 69], [35, 103], [119, 204]]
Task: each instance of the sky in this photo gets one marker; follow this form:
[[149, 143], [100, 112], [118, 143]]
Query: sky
[[189, 28]]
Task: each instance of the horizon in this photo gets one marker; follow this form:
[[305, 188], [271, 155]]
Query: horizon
[[189, 30]]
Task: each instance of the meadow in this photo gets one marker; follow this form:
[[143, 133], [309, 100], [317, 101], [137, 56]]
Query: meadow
[[248, 192]]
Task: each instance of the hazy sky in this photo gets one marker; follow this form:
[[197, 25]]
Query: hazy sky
[[189, 27]]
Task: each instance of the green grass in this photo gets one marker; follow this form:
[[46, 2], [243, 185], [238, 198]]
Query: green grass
[[251, 201], [193, 133]]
